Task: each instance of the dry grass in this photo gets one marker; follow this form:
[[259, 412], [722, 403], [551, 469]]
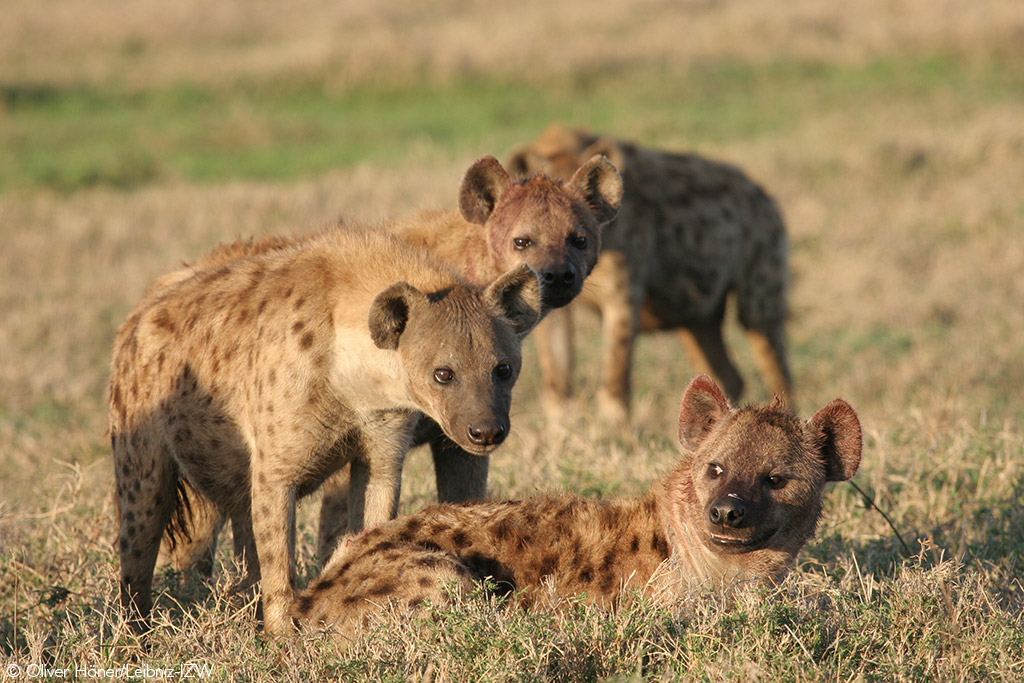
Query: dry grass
[[906, 220]]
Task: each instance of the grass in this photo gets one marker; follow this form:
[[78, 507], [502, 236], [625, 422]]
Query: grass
[[84, 135], [893, 146]]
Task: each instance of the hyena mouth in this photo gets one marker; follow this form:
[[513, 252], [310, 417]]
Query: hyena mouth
[[728, 544]]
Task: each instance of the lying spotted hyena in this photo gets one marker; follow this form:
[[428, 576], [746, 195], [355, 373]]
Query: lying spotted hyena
[[552, 225], [690, 230], [741, 503], [249, 384]]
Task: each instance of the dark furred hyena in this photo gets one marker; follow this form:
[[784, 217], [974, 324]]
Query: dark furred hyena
[[690, 230], [552, 225], [742, 502], [248, 384]]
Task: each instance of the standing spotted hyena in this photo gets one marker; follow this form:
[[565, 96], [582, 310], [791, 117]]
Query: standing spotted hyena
[[552, 225], [742, 502], [248, 384], [690, 230]]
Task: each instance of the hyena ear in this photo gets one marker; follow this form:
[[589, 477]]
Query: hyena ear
[[835, 431], [389, 314], [484, 184], [598, 183], [609, 149], [703, 406], [516, 296]]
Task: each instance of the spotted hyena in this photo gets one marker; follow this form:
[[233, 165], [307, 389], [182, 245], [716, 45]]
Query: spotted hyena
[[248, 384], [689, 232], [744, 499], [552, 225]]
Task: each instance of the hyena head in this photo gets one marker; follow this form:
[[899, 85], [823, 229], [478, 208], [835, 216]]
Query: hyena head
[[553, 226], [460, 350], [559, 152], [751, 486]]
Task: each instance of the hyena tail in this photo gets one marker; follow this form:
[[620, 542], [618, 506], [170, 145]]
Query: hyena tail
[[186, 503]]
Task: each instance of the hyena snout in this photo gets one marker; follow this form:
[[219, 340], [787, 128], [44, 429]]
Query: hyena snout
[[729, 511], [487, 433], [560, 284]]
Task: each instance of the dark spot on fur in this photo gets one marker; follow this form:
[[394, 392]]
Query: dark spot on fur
[[261, 307], [502, 530], [659, 544], [418, 601], [162, 319], [425, 581], [382, 546], [428, 561], [297, 327], [305, 604], [460, 540], [586, 574], [634, 545], [288, 294], [306, 341], [384, 588], [609, 560], [299, 302], [548, 564]]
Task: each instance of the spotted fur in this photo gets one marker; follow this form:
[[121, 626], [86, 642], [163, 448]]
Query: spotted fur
[[743, 500]]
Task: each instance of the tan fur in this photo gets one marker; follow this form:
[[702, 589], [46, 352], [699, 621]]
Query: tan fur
[[562, 223], [744, 499], [689, 232], [248, 383]]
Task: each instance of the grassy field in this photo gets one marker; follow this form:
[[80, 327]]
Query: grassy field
[[136, 135]]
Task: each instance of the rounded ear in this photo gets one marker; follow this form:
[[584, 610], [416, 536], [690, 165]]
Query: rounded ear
[[609, 149], [836, 434], [703, 406], [516, 296], [484, 184], [599, 184], [389, 314]]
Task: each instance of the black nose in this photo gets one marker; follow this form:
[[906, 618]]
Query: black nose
[[490, 435], [564, 276], [727, 511]]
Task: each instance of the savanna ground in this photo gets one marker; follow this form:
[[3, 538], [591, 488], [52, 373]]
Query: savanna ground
[[136, 135]]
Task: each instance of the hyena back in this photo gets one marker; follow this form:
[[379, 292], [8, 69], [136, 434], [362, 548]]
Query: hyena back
[[742, 502], [690, 230], [247, 384]]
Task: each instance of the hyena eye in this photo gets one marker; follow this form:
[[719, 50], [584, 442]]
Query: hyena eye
[[579, 241], [522, 242], [715, 470], [503, 370], [443, 375], [776, 482]]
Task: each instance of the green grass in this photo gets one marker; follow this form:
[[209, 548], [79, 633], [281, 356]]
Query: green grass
[[72, 137]]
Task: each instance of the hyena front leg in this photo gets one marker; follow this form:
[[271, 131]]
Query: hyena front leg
[[376, 470], [618, 330], [273, 527], [555, 355]]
